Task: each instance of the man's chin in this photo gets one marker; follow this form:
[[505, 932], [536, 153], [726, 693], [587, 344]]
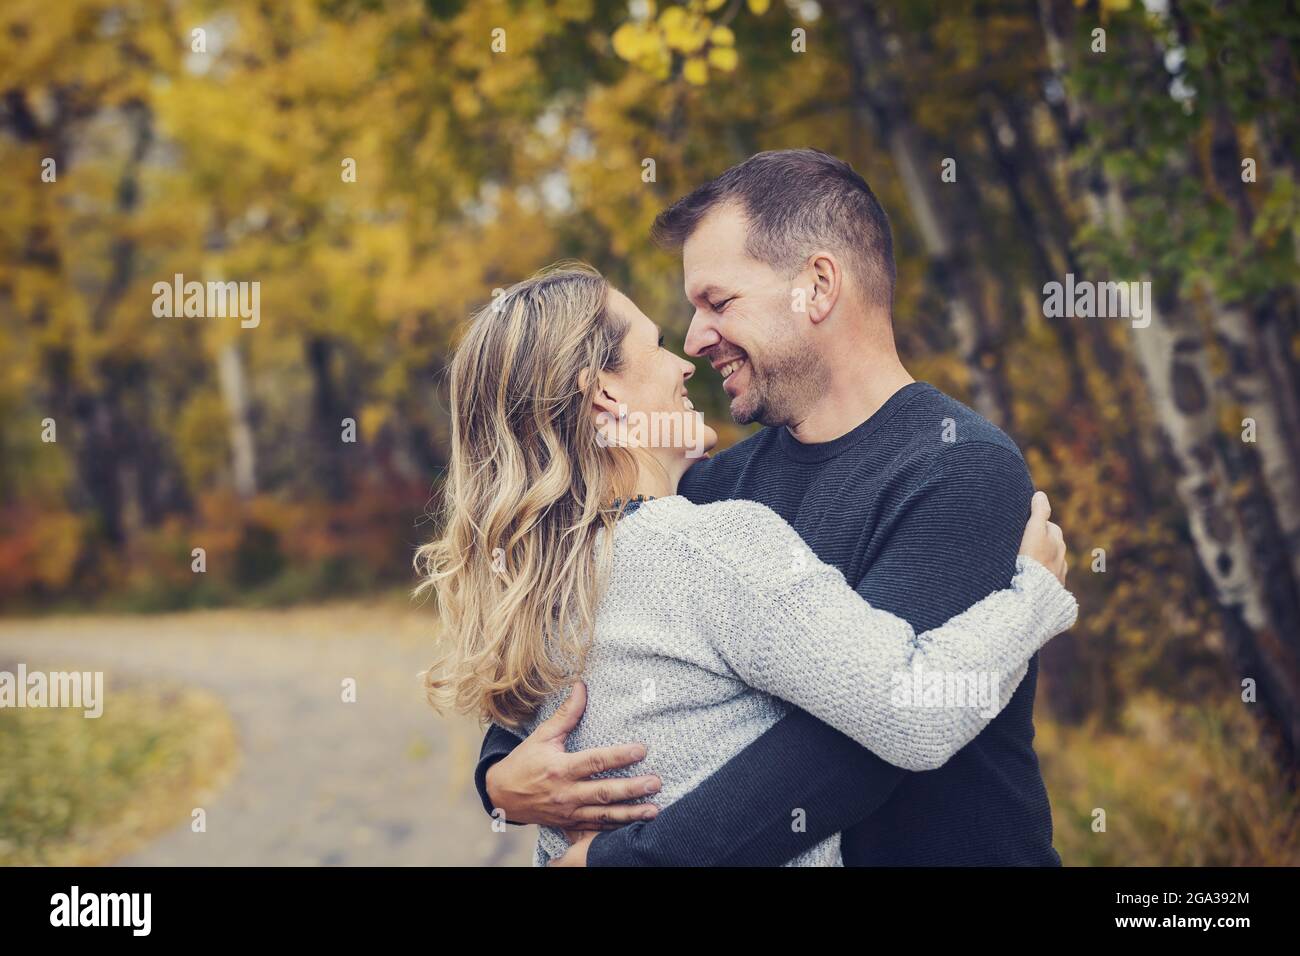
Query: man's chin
[[744, 411]]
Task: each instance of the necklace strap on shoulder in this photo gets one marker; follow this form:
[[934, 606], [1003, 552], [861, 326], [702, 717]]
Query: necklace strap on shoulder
[[625, 508]]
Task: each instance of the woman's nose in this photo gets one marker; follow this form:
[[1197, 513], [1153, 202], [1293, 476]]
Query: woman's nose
[[687, 370]]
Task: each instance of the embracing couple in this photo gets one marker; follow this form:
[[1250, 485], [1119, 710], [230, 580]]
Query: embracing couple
[[816, 648]]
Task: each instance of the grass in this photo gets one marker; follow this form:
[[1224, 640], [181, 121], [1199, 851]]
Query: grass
[[82, 792], [1178, 786]]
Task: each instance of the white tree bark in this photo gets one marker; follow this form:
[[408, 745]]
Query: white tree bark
[[234, 390], [1171, 353], [1248, 382]]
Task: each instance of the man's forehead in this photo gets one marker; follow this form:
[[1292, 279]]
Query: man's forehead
[[698, 277], [714, 270], [714, 254], [701, 288]]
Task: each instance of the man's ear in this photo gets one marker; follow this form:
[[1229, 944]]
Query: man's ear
[[826, 279]]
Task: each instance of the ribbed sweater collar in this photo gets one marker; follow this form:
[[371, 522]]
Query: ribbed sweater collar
[[824, 451]]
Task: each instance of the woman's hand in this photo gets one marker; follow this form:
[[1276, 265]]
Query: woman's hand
[[576, 855], [1043, 540]]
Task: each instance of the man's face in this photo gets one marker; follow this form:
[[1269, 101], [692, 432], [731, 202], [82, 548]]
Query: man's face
[[744, 323]]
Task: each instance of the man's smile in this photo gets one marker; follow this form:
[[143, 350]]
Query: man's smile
[[731, 370], [726, 371]]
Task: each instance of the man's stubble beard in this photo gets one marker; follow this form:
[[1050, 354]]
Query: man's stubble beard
[[789, 384]]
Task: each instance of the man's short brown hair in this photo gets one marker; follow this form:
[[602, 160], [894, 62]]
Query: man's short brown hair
[[796, 201]]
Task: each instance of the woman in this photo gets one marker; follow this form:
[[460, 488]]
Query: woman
[[567, 553]]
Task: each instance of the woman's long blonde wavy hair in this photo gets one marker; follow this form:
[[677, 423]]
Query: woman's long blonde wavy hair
[[528, 489]]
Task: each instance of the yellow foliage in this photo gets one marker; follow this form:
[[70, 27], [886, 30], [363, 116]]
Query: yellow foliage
[[724, 58], [695, 71], [722, 36], [58, 542], [684, 32], [631, 39], [645, 46], [373, 417], [203, 439]]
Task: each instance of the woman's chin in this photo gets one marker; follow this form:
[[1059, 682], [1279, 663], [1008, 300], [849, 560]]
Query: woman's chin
[[708, 438]]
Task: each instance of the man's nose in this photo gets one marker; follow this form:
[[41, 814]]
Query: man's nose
[[700, 337]]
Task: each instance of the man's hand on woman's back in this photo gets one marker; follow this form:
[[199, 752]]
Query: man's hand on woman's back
[[539, 782]]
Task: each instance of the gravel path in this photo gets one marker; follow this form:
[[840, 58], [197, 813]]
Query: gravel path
[[382, 781]]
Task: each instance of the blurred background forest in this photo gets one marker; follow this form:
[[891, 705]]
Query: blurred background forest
[[380, 167]]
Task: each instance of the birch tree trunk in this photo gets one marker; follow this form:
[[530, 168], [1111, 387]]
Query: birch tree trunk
[[1253, 378], [234, 390], [1171, 352], [1172, 355]]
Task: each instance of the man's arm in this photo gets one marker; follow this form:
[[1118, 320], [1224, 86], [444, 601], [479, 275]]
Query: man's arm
[[954, 542]]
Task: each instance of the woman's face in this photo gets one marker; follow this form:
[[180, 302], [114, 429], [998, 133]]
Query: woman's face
[[645, 403]]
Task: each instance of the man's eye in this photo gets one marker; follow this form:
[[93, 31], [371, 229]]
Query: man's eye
[[721, 305]]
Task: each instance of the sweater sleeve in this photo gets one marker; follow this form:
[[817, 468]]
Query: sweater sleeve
[[796, 630], [497, 743]]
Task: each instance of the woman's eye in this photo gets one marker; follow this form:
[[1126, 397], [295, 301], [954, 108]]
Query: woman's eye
[[661, 340]]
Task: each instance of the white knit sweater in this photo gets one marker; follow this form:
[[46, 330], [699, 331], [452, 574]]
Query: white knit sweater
[[718, 617]]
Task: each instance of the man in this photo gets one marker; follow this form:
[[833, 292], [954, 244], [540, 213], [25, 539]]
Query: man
[[918, 501]]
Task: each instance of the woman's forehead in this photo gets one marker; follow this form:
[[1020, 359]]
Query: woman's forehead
[[626, 309]]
